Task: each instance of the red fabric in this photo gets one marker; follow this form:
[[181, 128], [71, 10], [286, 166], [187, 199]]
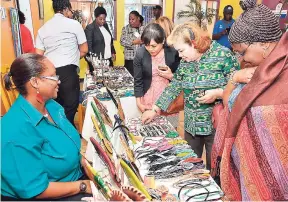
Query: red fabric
[[27, 42]]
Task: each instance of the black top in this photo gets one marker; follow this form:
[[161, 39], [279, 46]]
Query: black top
[[143, 68], [95, 39]]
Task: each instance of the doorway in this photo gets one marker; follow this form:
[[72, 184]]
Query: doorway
[[24, 6]]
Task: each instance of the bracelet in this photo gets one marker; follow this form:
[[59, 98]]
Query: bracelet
[[153, 109], [231, 79]]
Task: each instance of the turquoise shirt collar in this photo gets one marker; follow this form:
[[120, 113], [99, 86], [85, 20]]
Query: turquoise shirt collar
[[32, 113]]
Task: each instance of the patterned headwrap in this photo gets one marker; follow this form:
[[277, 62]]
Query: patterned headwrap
[[256, 24]]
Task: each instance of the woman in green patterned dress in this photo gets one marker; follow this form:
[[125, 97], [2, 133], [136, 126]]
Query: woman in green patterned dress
[[203, 73]]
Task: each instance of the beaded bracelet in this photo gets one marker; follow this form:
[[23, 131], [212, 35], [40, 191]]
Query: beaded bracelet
[[231, 79]]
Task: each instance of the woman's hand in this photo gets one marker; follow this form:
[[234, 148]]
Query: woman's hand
[[244, 75], [86, 169], [114, 57], [141, 106], [148, 116], [166, 74], [136, 41], [210, 96]]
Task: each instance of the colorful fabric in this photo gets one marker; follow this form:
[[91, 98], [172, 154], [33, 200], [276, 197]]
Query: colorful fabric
[[211, 72], [254, 165], [254, 135], [128, 35]]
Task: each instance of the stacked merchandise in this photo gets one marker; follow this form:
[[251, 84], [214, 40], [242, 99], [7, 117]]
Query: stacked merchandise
[[116, 78], [148, 162]]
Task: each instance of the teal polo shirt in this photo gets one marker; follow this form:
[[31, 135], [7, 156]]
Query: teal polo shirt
[[36, 151]]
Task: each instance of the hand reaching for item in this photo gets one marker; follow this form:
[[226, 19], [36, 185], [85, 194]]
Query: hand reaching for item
[[142, 107], [148, 116]]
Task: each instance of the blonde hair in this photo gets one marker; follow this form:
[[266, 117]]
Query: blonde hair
[[166, 24], [190, 33]]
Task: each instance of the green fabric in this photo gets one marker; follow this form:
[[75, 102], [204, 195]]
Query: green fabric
[[211, 72], [35, 152]]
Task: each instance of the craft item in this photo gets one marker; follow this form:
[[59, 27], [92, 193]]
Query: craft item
[[149, 181], [119, 122], [118, 195], [106, 143], [134, 179], [99, 118], [134, 193], [104, 112], [99, 181], [172, 134], [106, 159], [112, 97], [120, 110]]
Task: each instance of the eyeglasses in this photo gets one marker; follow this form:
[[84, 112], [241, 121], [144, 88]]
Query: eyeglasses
[[53, 78], [71, 10], [242, 54]]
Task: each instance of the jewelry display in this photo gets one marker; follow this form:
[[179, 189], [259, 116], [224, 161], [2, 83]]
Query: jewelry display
[[144, 156]]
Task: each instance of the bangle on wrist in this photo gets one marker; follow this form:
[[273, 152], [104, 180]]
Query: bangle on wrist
[[153, 109], [231, 79]]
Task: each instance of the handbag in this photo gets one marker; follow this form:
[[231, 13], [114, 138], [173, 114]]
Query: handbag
[[217, 109], [177, 105]]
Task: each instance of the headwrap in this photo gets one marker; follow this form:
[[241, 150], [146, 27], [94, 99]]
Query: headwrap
[[256, 24]]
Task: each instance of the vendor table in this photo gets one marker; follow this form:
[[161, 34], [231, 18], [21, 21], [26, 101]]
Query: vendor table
[[202, 189]]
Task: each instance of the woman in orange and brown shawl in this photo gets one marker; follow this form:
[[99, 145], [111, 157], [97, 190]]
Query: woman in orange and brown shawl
[[253, 138]]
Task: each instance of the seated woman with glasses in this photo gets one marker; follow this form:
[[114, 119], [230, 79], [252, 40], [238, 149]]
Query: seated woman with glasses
[[40, 148]]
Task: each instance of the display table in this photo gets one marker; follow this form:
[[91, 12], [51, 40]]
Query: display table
[[204, 187]]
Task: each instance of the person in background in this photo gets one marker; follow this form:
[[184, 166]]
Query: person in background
[[99, 37], [131, 38], [26, 37], [40, 157], [203, 73], [166, 24], [222, 27], [157, 12], [63, 41], [149, 79], [251, 143]]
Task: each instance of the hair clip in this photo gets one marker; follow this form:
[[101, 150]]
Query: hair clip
[[177, 142]]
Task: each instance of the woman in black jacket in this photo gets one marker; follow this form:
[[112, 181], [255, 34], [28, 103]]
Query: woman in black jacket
[[99, 37], [154, 65]]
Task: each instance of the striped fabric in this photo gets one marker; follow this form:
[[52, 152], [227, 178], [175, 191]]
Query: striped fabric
[[254, 165]]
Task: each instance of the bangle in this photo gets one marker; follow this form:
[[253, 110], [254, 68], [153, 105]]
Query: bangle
[[153, 109], [231, 79]]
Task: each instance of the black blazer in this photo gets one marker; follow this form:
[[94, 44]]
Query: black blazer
[[95, 39], [143, 68]]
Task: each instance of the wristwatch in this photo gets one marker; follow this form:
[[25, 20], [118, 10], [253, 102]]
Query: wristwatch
[[83, 187]]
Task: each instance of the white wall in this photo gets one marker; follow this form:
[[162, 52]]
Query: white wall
[[24, 6]]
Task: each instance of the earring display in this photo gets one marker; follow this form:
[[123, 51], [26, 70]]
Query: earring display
[[117, 79], [159, 126]]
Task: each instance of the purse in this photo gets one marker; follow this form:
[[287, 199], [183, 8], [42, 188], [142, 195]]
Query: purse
[[177, 105]]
